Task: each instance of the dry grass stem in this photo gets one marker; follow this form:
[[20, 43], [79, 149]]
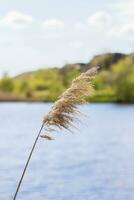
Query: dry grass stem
[[64, 109]]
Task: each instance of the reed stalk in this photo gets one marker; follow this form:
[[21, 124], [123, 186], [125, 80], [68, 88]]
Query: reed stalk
[[64, 110], [26, 165]]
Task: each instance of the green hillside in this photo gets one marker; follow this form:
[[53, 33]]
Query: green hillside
[[115, 82]]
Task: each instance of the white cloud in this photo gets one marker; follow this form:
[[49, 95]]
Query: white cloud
[[124, 30], [16, 19], [126, 7], [99, 19], [53, 24]]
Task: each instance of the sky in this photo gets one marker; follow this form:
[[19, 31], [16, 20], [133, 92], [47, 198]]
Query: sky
[[45, 33]]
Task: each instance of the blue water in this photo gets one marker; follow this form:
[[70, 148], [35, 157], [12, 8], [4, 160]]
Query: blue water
[[95, 163]]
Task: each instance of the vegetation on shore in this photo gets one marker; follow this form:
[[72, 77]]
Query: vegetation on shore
[[115, 82]]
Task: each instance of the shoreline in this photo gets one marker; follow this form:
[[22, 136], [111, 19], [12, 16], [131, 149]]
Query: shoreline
[[43, 101]]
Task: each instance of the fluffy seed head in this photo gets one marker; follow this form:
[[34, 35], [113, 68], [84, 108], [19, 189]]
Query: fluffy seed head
[[62, 113]]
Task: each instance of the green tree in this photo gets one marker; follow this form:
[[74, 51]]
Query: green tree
[[6, 83], [123, 74], [125, 89]]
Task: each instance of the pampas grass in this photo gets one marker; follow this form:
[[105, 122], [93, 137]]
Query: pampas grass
[[63, 112]]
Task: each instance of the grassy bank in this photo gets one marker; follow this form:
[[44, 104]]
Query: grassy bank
[[115, 82]]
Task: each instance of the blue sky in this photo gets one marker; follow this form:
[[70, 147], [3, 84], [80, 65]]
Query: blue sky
[[36, 34]]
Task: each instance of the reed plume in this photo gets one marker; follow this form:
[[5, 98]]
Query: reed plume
[[63, 111]]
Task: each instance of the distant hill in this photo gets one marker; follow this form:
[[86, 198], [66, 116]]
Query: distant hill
[[103, 60], [114, 83], [24, 76]]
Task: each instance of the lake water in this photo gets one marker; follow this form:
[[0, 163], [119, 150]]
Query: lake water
[[95, 163]]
